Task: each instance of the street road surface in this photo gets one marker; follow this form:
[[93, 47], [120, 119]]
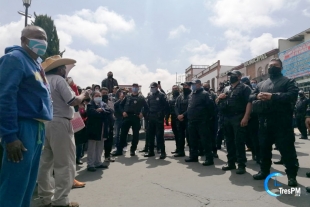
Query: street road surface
[[140, 182]]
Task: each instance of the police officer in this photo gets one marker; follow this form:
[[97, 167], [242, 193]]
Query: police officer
[[236, 118], [214, 122], [252, 140], [300, 114], [182, 121], [308, 127], [132, 112], [158, 109], [199, 113], [274, 101], [171, 101]]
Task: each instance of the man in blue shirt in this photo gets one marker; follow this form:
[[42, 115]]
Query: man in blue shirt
[[25, 104]]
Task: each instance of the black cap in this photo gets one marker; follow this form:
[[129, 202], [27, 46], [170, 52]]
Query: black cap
[[301, 92], [135, 84], [195, 81], [234, 72], [245, 80], [153, 85], [186, 83]]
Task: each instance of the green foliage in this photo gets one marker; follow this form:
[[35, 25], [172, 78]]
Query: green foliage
[[47, 24]]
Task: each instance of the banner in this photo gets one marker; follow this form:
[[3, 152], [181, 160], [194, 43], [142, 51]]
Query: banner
[[296, 61]]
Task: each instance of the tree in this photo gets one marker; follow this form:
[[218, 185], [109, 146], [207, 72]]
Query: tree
[[46, 23]]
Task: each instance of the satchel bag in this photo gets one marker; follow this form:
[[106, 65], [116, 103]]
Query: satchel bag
[[77, 122]]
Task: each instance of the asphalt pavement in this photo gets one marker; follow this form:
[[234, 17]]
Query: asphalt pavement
[[140, 182]]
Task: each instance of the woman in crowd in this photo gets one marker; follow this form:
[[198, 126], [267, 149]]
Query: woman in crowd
[[97, 129]]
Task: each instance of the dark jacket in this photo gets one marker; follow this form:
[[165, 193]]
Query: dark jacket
[[133, 104], [118, 112], [301, 107], [109, 84], [284, 95], [158, 104], [95, 122], [181, 104], [172, 101], [200, 106]]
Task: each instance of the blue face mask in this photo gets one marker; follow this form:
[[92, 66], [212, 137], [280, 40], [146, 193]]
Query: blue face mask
[[135, 90], [39, 47], [193, 87], [254, 85], [153, 90]]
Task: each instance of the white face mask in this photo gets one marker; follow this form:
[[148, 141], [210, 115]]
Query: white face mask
[[97, 100]]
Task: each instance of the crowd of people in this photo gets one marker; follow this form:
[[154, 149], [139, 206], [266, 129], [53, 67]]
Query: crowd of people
[[38, 102]]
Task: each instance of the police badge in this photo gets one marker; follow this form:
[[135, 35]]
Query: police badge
[[135, 102], [157, 99]]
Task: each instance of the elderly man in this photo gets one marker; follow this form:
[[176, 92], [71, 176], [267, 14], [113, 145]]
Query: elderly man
[[59, 149], [109, 82], [25, 103]]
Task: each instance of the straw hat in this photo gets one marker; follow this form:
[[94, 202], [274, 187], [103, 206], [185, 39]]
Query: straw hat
[[56, 61]]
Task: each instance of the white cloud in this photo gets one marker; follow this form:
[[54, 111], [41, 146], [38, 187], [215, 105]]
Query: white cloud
[[94, 26], [246, 14], [306, 12], [10, 34], [91, 68], [195, 46], [263, 43], [174, 33]]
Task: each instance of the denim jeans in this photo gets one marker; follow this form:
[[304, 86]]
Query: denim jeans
[[117, 131]]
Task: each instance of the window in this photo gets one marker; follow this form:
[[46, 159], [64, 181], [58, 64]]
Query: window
[[260, 72], [266, 69], [213, 83]]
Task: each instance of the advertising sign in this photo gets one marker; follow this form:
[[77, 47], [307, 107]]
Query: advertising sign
[[296, 61]]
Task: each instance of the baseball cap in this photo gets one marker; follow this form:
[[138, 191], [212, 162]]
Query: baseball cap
[[135, 84], [186, 83], [234, 72], [195, 81], [245, 80], [153, 85]]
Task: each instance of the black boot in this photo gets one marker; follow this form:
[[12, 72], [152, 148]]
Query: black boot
[[180, 154], [191, 159], [163, 155], [132, 153], [144, 150], [175, 151], [260, 176], [308, 189], [215, 155], [308, 174], [229, 167], [117, 153], [208, 162], [149, 154], [292, 182], [240, 170]]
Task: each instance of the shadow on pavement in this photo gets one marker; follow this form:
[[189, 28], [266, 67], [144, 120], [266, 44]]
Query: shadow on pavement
[[129, 161], [155, 162], [85, 175]]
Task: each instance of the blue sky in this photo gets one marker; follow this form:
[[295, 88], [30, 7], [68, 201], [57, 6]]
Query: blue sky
[[144, 41]]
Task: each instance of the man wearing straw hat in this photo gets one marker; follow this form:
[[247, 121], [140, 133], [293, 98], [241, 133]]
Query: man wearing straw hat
[[59, 149]]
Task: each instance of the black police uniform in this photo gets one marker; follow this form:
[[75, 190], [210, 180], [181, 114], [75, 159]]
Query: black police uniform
[[275, 124], [199, 113], [220, 125], [171, 101], [181, 108], [158, 109], [132, 105], [214, 123], [300, 113], [235, 135]]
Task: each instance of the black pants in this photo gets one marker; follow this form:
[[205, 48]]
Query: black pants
[[220, 131], [198, 131], [156, 128], [213, 131], [235, 140], [182, 127], [132, 121], [146, 122], [300, 122], [175, 130], [278, 129], [253, 135], [108, 143]]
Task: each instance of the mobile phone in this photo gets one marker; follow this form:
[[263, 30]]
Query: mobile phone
[[158, 82]]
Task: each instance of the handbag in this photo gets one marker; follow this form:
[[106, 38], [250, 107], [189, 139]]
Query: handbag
[[77, 122]]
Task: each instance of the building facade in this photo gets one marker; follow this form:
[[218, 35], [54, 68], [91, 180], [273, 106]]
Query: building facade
[[295, 56]]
